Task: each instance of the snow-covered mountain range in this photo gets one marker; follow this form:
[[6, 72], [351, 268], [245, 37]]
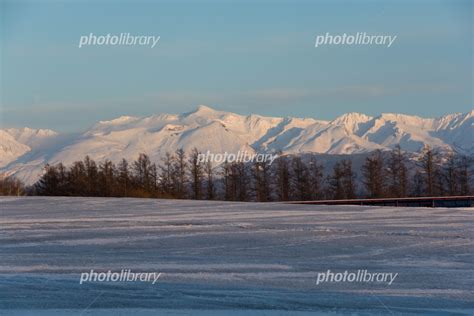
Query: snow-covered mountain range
[[24, 152]]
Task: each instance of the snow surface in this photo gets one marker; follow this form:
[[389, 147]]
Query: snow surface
[[219, 132], [231, 258]]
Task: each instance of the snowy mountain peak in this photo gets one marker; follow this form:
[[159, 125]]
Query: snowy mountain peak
[[27, 132], [204, 108], [30, 136], [352, 117], [203, 114], [119, 120], [351, 121]]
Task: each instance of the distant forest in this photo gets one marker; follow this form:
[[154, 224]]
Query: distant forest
[[290, 178]]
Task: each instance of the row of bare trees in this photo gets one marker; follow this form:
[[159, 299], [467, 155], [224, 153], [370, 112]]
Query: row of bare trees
[[434, 174], [183, 176]]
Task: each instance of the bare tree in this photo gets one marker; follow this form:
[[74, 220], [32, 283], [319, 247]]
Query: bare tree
[[166, 182], [106, 178], [91, 176], [123, 178], [180, 179], [464, 167], [242, 180], [282, 178], [315, 179], [451, 174], [10, 185], [348, 179], [300, 179], [342, 181], [226, 173], [374, 175], [261, 176], [154, 180], [210, 188], [335, 182], [398, 173], [431, 172], [142, 171], [197, 174]]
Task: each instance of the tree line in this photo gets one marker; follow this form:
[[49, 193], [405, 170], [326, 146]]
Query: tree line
[[183, 176]]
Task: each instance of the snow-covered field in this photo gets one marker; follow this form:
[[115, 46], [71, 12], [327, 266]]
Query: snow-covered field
[[231, 258]]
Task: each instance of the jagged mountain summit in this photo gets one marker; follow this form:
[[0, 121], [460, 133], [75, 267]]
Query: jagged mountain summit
[[24, 152]]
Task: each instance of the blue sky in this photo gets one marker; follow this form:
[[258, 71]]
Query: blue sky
[[247, 57]]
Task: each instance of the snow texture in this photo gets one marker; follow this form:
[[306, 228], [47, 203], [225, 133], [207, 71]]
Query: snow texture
[[231, 258]]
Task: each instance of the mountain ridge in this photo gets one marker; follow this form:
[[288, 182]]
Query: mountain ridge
[[23, 152]]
